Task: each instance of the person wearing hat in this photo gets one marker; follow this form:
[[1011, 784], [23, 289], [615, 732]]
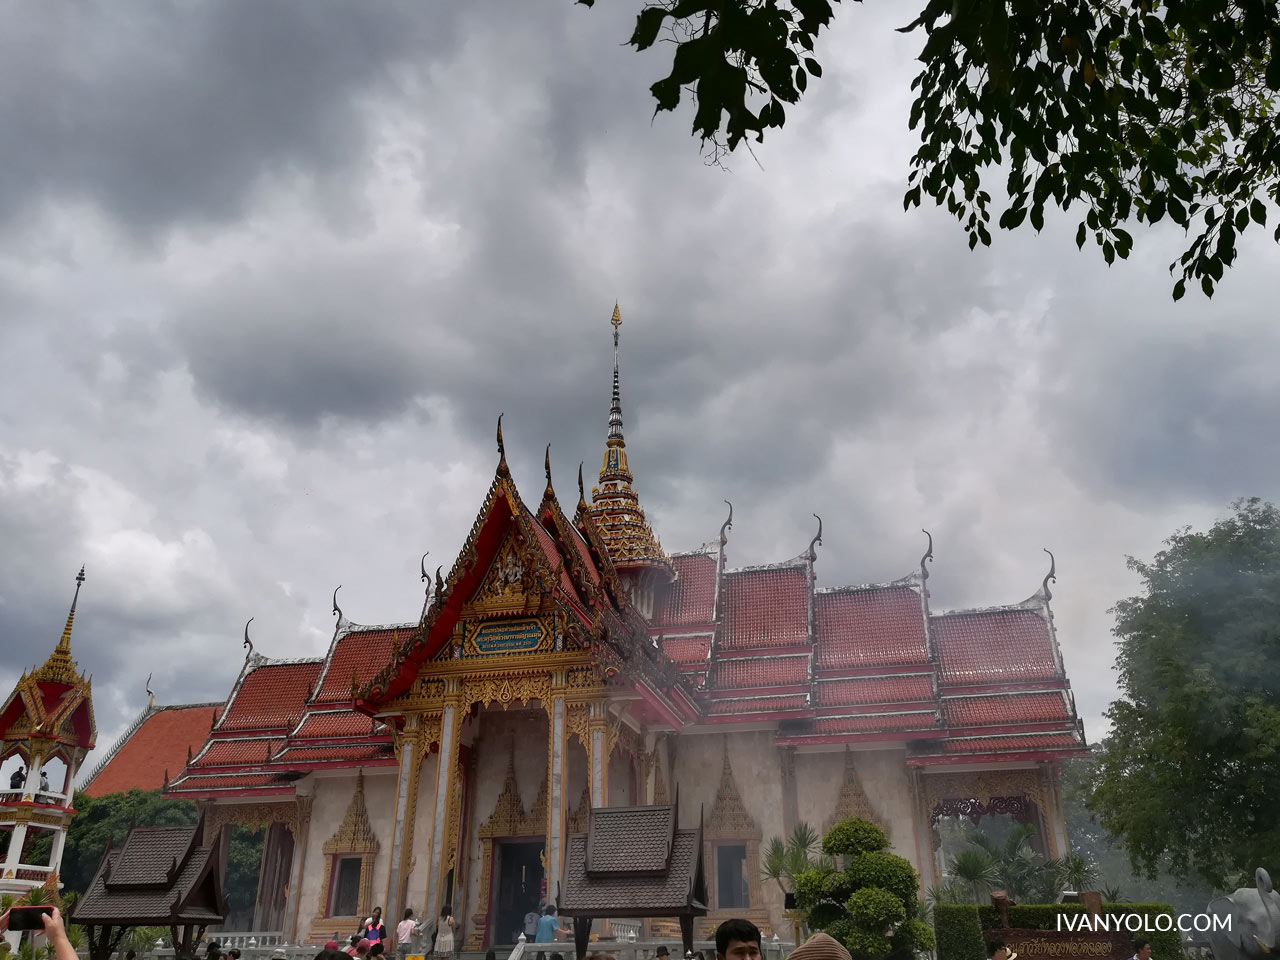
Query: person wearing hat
[[332, 945], [662, 952], [820, 946]]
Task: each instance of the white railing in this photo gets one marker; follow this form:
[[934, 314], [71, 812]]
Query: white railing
[[48, 797]]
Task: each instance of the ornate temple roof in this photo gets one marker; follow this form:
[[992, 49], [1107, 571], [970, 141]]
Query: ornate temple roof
[[160, 739], [53, 702], [615, 505]]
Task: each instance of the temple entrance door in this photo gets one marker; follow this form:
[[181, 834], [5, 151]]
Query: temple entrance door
[[519, 887]]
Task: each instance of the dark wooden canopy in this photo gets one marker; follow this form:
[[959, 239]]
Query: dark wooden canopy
[[160, 877], [633, 862]]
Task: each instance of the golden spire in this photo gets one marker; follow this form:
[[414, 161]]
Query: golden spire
[[59, 668], [615, 507], [64, 645]]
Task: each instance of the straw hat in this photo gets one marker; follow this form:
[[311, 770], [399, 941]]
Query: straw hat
[[820, 947]]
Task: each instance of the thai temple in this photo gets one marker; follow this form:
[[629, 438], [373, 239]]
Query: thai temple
[[567, 661]]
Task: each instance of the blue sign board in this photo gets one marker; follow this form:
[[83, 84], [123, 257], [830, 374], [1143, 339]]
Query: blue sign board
[[508, 636]]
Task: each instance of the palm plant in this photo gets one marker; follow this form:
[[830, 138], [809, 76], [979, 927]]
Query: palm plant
[[947, 893], [1078, 872], [1113, 895], [976, 868], [800, 852]]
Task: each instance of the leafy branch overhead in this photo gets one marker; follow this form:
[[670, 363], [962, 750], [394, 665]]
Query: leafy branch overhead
[[1119, 110]]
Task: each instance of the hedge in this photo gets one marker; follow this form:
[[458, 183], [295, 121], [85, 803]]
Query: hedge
[[959, 927], [958, 932]]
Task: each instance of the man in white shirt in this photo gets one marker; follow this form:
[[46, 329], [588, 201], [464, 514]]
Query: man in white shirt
[[1141, 950]]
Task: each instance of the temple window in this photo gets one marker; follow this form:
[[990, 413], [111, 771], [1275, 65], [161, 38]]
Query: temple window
[[733, 891], [345, 897]]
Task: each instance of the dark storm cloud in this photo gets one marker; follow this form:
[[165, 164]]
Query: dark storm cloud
[[171, 112]]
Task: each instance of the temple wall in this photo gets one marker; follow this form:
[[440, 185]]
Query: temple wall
[[416, 893], [621, 779], [883, 775], [576, 773], [498, 731], [753, 757], [332, 797]]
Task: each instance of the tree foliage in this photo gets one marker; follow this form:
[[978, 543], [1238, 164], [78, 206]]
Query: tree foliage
[[1117, 109], [1187, 776], [871, 904]]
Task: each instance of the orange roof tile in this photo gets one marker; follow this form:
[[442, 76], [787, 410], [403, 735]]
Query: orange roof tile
[[303, 753], [760, 671], [848, 693], [359, 654], [994, 646], [229, 781], [331, 724], [692, 597], [271, 697], [766, 607], [874, 723], [687, 650], [1013, 708], [160, 743], [1039, 741], [238, 750], [870, 627], [738, 705]]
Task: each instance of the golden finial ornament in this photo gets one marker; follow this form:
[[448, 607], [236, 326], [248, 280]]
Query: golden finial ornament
[[617, 316], [503, 469], [546, 465], [64, 644]]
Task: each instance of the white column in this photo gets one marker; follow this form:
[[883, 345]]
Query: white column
[[16, 840], [598, 760], [408, 757], [59, 841], [444, 770], [555, 829]]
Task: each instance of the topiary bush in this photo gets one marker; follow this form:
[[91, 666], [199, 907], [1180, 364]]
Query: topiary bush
[[868, 904], [959, 932]]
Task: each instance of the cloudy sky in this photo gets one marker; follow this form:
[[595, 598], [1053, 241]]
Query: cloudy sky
[[270, 271]]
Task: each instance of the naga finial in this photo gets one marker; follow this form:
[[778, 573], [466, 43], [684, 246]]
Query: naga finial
[[546, 466], [582, 493], [727, 525], [1051, 575], [337, 610], [439, 582], [247, 642], [928, 555], [813, 553], [422, 565], [151, 697], [502, 449]]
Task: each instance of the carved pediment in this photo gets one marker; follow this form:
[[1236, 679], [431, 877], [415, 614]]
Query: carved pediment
[[577, 821], [510, 586], [355, 835], [509, 818], [729, 818], [852, 801]]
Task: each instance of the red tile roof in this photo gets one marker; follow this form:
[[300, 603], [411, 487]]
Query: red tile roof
[[874, 722], [331, 724], [359, 654], [1040, 741], [863, 690], [687, 650], [229, 781], [237, 751], [691, 599], [870, 626], [738, 705], [765, 607], [584, 552], [760, 672], [1012, 708], [552, 555], [334, 752], [994, 646], [271, 697], [160, 743]]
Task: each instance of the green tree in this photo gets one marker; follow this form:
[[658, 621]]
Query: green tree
[[975, 868], [871, 904], [1187, 776], [110, 817], [1119, 109]]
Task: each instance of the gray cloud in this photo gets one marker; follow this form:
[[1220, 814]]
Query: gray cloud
[[385, 224]]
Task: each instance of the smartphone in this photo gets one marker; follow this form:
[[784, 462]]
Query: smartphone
[[28, 917]]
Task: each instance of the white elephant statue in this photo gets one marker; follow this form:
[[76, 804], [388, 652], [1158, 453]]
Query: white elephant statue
[[1253, 915]]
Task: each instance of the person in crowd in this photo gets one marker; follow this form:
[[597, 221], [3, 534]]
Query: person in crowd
[[405, 929], [374, 930], [334, 954], [54, 931], [662, 953], [333, 945], [18, 779], [737, 940], [1141, 950], [491, 954], [445, 927], [362, 948], [531, 924], [351, 946], [234, 954], [131, 955], [821, 946], [557, 956], [376, 950], [996, 950], [548, 928]]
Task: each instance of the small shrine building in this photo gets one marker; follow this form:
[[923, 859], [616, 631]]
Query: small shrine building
[[568, 662]]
